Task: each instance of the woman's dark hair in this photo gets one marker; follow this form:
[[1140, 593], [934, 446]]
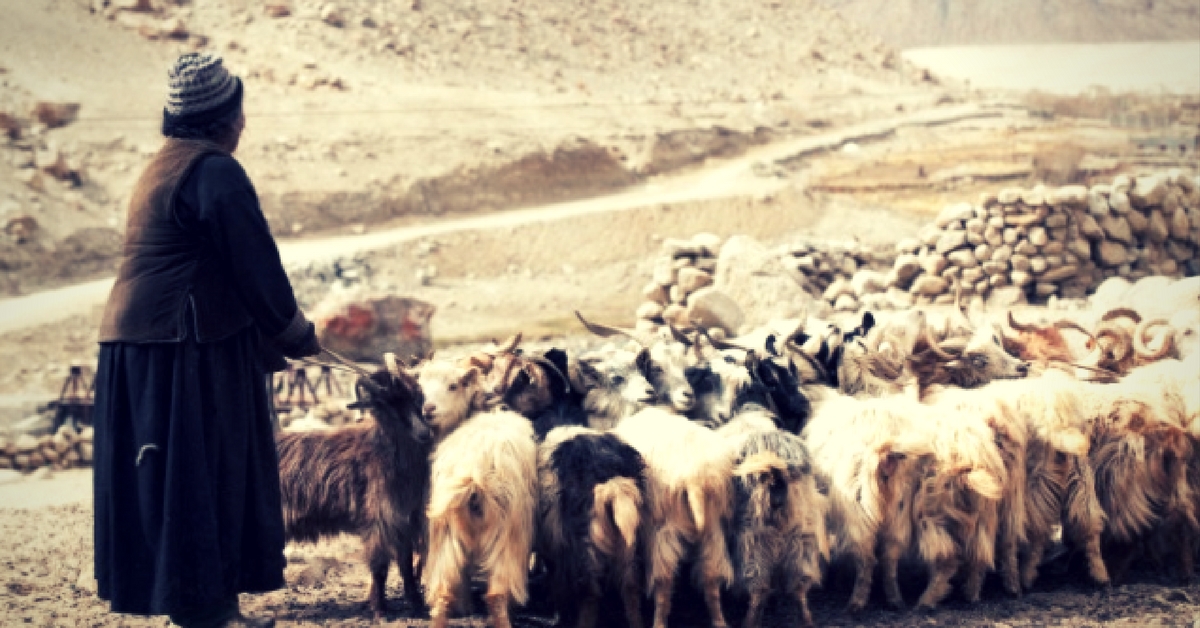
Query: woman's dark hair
[[215, 125]]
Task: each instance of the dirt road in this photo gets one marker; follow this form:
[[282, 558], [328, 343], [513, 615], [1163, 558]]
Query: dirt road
[[721, 179]]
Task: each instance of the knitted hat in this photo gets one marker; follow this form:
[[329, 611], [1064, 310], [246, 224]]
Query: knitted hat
[[199, 83]]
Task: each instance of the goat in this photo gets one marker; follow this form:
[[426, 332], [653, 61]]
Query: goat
[[612, 386], [452, 392], [664, 368], [592, 487], [688, 500], [483, 496], [778, 526], [963, 362], [866, 456], [368, 479]]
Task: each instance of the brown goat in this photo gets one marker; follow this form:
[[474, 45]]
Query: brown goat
[[367, 479]]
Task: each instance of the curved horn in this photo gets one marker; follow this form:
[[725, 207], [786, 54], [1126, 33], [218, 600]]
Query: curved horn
[[1021, 327], [510, 345], [1121, 345], [1139, 340], [927, 334], [605, 331], [681, 337], [393, 365], [1076, 326], [1122, 312]]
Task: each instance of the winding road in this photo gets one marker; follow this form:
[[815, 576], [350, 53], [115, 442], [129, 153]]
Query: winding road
[[717, 179]]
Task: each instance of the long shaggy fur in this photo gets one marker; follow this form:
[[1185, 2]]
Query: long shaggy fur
[[778, 531], [687, 499], [592, 487], [368, 479], [481, 512]]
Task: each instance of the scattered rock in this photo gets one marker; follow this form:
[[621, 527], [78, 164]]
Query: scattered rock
[[1068, 195], [908, 246], [928, 285], [954, 213], [1117, 228], [1147, 191], [692, 279], [906, 267], [277, 9], [710, 307], [963, 258], [951, 240], [1110, 253], [55, 114], [1019, 277], [650, 310], [1157, 230], [846, 303], [331, 14]]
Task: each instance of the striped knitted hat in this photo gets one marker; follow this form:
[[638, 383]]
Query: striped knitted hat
[[199, 83]]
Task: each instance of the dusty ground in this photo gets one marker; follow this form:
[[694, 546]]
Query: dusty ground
[[45, 552]]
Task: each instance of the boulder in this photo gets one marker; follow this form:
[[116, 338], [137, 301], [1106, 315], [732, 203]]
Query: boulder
[[1045, 289], [675, 294], [1097, 204], [972, 275], [1148, 191], [664, 272], [951, 240], [1157, 229], [839, 287], [675, 314], [1025, 247], [1034, 196], [1038, 265], [711, 308], [1038, 236], [975, 239], [55, 114], [928, 285], [1019, 262], [1003, 253], [995, 221], [976, 225], [993, 236], [906, 267], [655, 292], [1119, 202], [899, 299], [10, 125], [709, 244], [1117, 228], [1060, 274], [995, 268], [1056, 220], [1138, 222], [934, 264], [650, 310], [908, 245], [331, 14], [1179, 251], [996, 281], [1068, 196], [1054, 248], [692, 279], [1109, 254], [868, 281], [930, 235], [846, 303], [1011, 235], [1008, 196], [1080, 248], [1001, 298], [954, 213], [1020, 277], [1178, 225], [365, 327], [983, 253], [963, 258], [758, 281], [1089, 227]]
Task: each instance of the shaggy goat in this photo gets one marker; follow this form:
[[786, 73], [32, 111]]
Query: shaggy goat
[[592, 487], [612, 386], [368, 479], [867, 456], [483, 496], [452, 393], [688, 500], [778, 528], [664, 368], [965, 362]]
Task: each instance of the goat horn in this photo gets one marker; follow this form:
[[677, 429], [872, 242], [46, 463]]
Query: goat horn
[[393, 365], [933, 345], [679, 336], [1122, 312], [1076, 326], [347, 363], [1122, 343], [605, 331], [510, 345], [1139, 340], [1021, 327]]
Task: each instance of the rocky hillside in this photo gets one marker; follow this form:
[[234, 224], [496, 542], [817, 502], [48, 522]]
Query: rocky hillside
[[920, 23], [361, 111]]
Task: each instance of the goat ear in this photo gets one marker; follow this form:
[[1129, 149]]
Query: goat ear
[[771, 348], [868, 321], [643, 361], [584, 376], [471, 376]]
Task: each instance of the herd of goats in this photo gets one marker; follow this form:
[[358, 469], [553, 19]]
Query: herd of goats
[[943, 438]]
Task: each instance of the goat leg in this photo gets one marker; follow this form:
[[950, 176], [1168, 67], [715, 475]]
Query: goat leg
[[891, 585], [1010, 566], [864, 568], [378, 560], [1121, 555], [630, 590], [412, 587], [806, 619], [972, 586], [712, 598], [588, 609], [939, 583], [497, 606], [662, 601], [1031, 557], [758, 603]]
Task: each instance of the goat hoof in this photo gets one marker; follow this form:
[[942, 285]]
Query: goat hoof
[[924, 609], [899, 607], [855, 608]]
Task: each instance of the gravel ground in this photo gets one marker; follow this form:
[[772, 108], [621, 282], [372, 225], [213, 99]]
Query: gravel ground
[[46, 557]]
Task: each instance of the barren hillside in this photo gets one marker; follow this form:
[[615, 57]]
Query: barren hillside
[[919, 23], [365, 111]]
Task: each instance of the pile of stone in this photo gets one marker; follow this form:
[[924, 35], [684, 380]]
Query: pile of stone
[[1041, 242], [64, 449], [682, 283], [847, 275]]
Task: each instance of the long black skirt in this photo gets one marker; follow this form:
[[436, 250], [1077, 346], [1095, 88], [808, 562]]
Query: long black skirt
[[187, 503]]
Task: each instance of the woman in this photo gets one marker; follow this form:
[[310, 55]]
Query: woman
[[187, 501]]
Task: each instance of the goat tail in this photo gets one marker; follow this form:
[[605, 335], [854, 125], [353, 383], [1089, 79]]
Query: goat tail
[[616, 514], [984, 483], [1070, 441], [694, 495], [459, 503]]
